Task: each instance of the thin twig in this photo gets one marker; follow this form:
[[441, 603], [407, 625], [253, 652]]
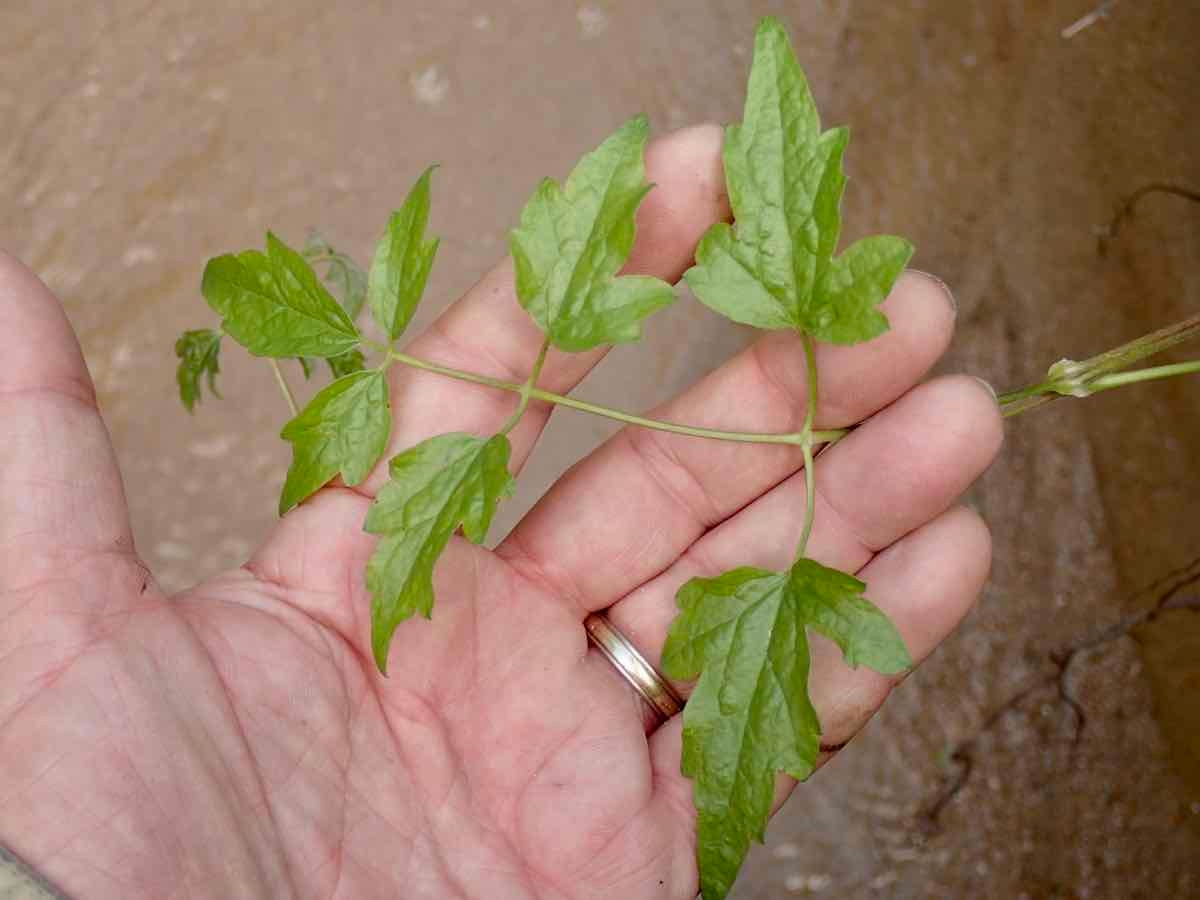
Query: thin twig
[[1168, 595], [1109, 232], [1102, 11], [285, 388]]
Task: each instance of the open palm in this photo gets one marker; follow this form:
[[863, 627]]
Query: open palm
[[236, 741]]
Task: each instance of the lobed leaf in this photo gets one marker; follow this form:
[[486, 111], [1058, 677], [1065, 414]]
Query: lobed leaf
[[744, 634], [572, 241], [343, 430], [402, 262], [199, 353], [274, 305], [775, 268], [442, 484]]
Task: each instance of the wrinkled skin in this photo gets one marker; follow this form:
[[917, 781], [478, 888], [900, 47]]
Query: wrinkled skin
[[235, 740]]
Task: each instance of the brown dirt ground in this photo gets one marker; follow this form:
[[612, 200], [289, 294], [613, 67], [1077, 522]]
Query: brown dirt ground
[[141, 138]]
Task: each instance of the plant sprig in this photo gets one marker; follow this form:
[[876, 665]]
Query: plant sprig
[[742, 634]]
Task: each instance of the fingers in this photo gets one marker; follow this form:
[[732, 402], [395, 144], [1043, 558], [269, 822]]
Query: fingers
[[60, 491], [898, 471], [926, 583], [640, 500], [487, 331]]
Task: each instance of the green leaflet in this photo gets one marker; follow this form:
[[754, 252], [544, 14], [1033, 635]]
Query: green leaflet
[[342, 273], [345, 363], [350, 289], [344, 429], [402, 262], [274, 305], [446, 482], [342, 364], [199, 353], [775, 268], [572, 240], [749, 716]]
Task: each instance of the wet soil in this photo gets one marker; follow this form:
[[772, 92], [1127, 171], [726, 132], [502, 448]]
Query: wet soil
[[141, 138]]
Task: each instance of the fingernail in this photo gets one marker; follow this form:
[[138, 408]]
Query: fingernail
[[942, 286], [987, 387]]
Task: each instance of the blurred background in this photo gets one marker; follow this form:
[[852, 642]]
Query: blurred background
[[141, 138]]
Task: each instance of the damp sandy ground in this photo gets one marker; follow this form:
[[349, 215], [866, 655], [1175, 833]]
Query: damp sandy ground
[[140, 138]]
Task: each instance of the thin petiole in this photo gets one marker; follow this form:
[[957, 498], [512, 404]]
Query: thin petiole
[[285, 388], [527, 389], [535, 393]]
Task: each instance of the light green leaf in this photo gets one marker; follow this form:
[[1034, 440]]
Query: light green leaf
[[775, 268], [573, 240], [349, 282], [274, 305], [744, 634], [199, 353], [446, 482], [344, 429], [402, 262]]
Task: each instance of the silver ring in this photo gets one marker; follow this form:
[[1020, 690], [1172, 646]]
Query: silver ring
[[634, 667]]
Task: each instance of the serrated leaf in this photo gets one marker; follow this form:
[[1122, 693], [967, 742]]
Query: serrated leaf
[[442, 484], [749, 716], [344, 429], [342, 273], [199, 353], [274, 305], [573, 240], [403, 258], [775, 267]]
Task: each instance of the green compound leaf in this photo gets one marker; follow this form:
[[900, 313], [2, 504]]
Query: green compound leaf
[[199, 353], [572, 241], [744, 634], [447, 482], [775, 268], [402, 262], [274, 305], [344, 429]]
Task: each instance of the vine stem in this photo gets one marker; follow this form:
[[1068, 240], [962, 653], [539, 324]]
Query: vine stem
[[536, 393], [1065, 378], [810, 480], [1107, 382], [285, 388]]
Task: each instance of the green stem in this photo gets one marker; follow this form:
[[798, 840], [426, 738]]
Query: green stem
[[1071, 378], [1107, 382], [283, 386], [527, 389], [794, 438], [810, 478]]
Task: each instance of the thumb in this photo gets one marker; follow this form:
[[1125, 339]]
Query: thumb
[[61, 500]]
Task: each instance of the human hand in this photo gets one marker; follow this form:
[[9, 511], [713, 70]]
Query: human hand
[[236, 739]]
